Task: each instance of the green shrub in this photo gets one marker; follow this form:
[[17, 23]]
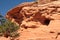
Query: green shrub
[[7, 28]]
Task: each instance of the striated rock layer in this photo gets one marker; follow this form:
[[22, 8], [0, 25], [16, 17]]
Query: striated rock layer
[[37, 22]]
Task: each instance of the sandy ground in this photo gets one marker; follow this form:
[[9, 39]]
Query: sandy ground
[[4, 38]]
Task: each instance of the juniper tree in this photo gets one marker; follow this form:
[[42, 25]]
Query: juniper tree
[[2, 19], [7, 28]]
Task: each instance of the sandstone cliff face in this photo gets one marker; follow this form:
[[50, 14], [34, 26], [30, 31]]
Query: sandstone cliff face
[[37, 22]]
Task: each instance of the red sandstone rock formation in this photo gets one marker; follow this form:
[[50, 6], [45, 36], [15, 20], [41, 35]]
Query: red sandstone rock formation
[[37, 22]]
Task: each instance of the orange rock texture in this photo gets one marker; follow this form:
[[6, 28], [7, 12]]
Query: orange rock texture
[[37, 22]]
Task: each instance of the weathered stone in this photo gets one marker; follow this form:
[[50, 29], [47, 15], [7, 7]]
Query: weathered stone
[[37, 22]]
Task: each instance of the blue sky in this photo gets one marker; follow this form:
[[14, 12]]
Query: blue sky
[[5, 5]]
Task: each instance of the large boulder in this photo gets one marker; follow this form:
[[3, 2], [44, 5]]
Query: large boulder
[[37, 22]]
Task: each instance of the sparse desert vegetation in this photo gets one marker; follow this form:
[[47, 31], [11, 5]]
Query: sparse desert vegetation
[[7, 28]]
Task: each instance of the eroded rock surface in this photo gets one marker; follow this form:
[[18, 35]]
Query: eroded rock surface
[[37, 22]]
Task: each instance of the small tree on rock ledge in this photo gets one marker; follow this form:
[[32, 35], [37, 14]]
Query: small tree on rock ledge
[[7, 28]]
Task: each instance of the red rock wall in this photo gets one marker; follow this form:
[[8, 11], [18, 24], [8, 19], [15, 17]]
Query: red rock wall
[[37, 22]]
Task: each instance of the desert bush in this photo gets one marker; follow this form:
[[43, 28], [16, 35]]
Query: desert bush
[[7, 28]]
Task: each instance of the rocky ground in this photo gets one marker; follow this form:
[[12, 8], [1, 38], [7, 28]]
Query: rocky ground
[[37, 22]]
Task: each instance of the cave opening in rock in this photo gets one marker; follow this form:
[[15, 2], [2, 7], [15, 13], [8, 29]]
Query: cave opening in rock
[[47, 21]]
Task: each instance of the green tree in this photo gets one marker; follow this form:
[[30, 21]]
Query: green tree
[[2, 19], [10, 29], [7, 28]]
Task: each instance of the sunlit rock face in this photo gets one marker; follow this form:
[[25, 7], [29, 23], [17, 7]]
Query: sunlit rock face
[[37, 22]]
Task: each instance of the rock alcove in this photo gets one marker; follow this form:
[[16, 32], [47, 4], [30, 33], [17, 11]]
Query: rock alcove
[[37, 22]]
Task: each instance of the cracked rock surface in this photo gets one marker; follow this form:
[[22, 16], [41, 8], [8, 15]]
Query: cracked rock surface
[[37, 22]]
